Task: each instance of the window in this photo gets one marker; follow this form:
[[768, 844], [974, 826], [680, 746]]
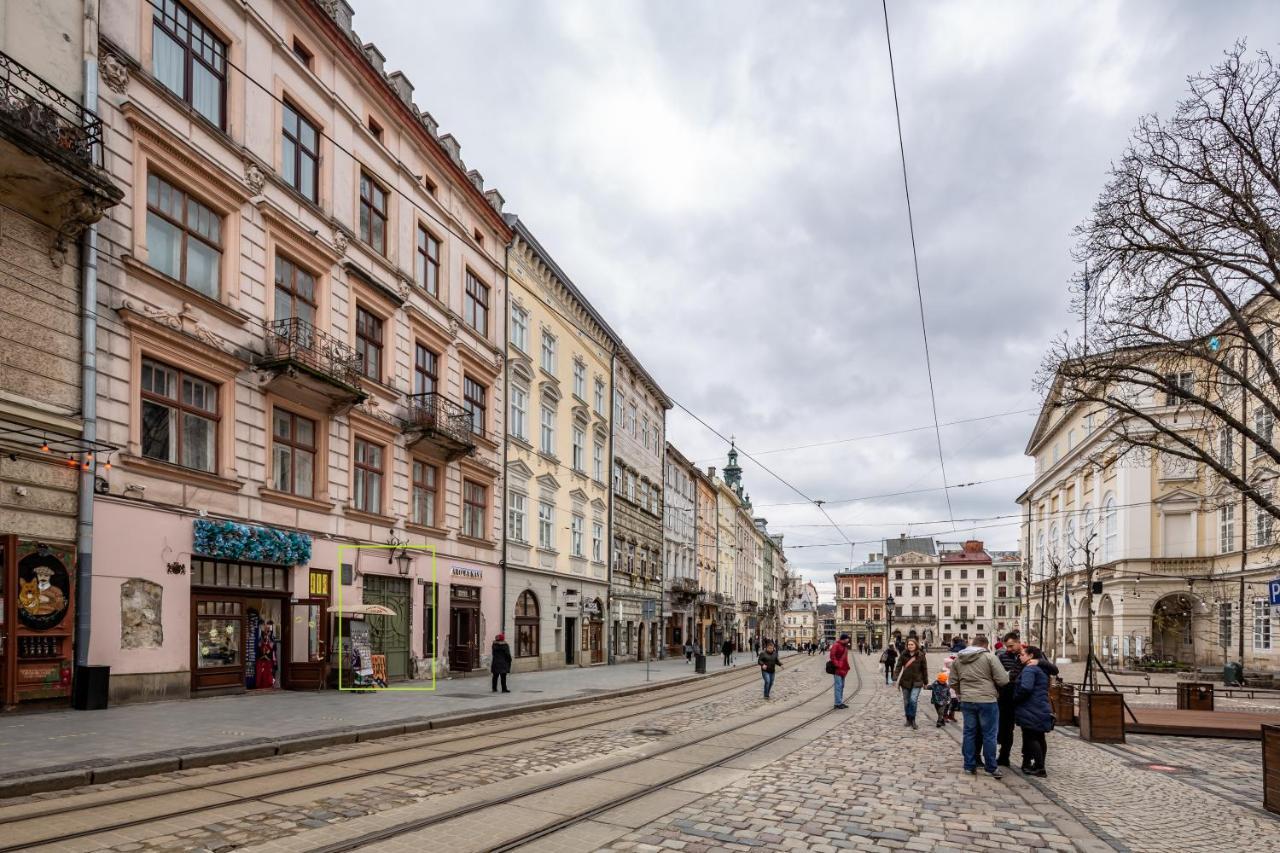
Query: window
[[369, 343], [519, 412], [1227, 529], [897, 591], [293, 453], [600, 397], [520, 328], [1261, 625], [1263, 527], [946, 592], [1178, 382], [526, 625], [980, 592], [579, 380], [375, 128], [473, 503], [295, 293], [1264, 422], [862, 592], [189, 60], [576, 530], [184, 237], [548, 440], [300, 51], [426, 370], [428, 255], [425, 489], [475, 308], [546, 525], [875, 591], [1225, 446], [368, 476], [473, 401], [645, 431], [516, 517], [579, 451], [179, 417], [548, 352], [300, 153], [964, 573], [928, 590], [1110, 530], [597, 454], [632, 425], [373, 214], [617, 477], [597, 541], [1225, 623], [618, 419]]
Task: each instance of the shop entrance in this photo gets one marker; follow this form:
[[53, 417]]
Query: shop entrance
[[37, 615], [464, 628], [570, 640], [389, 635], [239, 629]]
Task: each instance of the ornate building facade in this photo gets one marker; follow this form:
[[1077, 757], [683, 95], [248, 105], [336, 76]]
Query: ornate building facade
[[680, 548]]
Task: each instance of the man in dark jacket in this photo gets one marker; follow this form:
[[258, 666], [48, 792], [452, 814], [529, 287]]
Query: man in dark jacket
[[726, 649], [1011, 657], [500, 662]]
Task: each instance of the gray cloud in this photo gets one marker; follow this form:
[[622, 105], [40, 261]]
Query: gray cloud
[[722, 180]]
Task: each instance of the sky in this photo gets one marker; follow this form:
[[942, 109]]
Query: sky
[[722, 180]]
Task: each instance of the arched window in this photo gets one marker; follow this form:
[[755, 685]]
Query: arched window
[[526, 625], [1110, 530]]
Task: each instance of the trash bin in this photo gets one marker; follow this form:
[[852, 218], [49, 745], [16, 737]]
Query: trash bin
[[1233, 674], [1195, 696], [89, 689], [700, 664]]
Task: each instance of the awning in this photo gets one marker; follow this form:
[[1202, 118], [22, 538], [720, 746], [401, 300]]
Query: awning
[[366, 610]]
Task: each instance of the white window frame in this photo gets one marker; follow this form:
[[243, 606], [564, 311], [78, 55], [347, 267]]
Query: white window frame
[[578, 458], [519, 412], [520, 328], [580, 380], [517, 517], [547, 431], [1226, 529], [546, 525], [548, 359], [1263, 629], [597, 541], [598, 461], [576, 526]]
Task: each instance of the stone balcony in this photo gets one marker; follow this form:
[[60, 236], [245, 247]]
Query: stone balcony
[[309, 366], [436, 421]]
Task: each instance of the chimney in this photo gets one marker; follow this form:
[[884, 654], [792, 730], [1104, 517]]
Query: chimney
[[375, 56], [403, 87], [429, 122], [342, 13], [453, 147], [711, 472], [496, 201], [477, 179]]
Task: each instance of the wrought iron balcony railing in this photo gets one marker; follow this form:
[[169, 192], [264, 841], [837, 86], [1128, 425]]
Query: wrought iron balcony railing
[[36, 108], [299, 342], [684, 586], [438, 418]]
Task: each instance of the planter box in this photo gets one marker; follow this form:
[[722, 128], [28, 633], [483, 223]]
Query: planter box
[[1195, 696], [1271, 768], [1062, 703], [1101, 717]]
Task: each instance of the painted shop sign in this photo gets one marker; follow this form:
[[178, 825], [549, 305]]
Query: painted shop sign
[[467, 572]]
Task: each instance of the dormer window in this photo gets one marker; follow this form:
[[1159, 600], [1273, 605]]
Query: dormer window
[[305, 56], [375, 128]]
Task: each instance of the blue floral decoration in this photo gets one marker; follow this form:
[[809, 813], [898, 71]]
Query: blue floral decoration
[[231, 540]]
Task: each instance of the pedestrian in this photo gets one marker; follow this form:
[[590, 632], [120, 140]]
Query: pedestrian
[[769, 663], [912, 676], [726, 648], [688, 652], [979, 675], [1034, 716], [838, 668], [957, 646], [888, 657], [1011, 657], [940, 697], [500, 663]]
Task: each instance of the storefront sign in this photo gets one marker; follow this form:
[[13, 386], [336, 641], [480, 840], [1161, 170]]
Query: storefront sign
[[44, 591], [465, 572]]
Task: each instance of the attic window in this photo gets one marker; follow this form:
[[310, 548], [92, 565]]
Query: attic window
[[300, 51], [375, 129], [429, 184], [479, 237]]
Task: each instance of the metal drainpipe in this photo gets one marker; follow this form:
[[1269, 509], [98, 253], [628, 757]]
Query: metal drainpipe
[[88, 366], [613, 496], [506, 413]]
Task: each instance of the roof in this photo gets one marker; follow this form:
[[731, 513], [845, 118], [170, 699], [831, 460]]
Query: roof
[[971, 552], [1006, 556], [864, 569], [826, 610], [905, 544]]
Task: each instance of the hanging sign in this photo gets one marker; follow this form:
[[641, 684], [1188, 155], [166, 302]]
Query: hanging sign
[[1274, 586], [44, 591]]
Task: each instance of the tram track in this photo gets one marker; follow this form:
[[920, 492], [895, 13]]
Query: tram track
[[684, 694], [409, 827]]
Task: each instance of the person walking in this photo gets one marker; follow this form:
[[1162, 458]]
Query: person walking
[[957, 646], [500, 662], [769, 663], [726, 649], [979, 675], [888, 657], [688, 652], [940, 697], [1032, 710], [838, 667], [912, 676]]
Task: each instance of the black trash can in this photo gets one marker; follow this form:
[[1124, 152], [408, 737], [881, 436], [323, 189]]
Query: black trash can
[[1233, 674], [89, 689], [700, 664]]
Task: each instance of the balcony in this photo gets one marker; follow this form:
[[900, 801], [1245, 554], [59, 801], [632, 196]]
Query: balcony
[[51, 153], [684, 586], [310, 367], [436, 421], [749, 606]]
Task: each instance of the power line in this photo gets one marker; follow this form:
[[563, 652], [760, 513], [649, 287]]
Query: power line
[[907, 492], [915, 259]]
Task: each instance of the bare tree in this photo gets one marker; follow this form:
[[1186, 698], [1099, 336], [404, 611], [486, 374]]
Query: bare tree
[[1181, 261]]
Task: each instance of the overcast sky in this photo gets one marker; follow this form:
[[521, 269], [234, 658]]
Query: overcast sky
[[722, 180]]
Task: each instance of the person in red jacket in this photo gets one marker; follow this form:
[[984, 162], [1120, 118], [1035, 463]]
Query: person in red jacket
[[838, 666]]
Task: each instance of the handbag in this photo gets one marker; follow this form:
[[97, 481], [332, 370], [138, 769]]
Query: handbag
[[831, 667]]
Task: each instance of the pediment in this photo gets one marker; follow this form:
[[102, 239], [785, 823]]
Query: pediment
[[579, 496], [1178, 499], [547, 481], [517, 468], [598, 505], [521, 366]]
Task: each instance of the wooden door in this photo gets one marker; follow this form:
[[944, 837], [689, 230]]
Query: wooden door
[[389, 635], [464, 638], [305, 657], [570, 640]]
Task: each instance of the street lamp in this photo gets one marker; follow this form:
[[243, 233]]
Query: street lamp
[[888, 618]]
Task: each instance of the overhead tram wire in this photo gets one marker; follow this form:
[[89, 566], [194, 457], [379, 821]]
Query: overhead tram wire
[[915, 259], [903, 493]]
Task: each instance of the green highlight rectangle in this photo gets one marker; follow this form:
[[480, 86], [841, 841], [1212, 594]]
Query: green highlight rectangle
[[435, 616]]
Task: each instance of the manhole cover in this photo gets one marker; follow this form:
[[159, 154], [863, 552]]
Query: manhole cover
[[650, 731]]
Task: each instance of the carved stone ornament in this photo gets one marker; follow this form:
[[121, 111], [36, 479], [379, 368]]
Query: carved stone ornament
[[185, 321], [114, 73], [340, 241], [254, 177], [77, 214], [453, 326], [330, 7], [403, 291]]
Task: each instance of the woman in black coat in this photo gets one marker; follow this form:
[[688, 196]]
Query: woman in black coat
[[500, 664], [1032, 711]]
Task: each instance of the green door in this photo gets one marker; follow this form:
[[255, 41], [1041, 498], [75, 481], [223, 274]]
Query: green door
[[389, 635]]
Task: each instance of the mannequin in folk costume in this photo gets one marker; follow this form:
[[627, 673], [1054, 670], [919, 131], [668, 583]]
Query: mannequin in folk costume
[[266, 666]]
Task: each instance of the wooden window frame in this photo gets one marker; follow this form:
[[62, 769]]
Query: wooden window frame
[[469, 506], [364, 340], [425, 263], [430, 482], [475, 304], [182, 408], [472, 403], [294, 445], [421, 373], [190, 56], [527, 625], [290, 287], [361, 470], [368, 211], [300, 152], [187, 232]]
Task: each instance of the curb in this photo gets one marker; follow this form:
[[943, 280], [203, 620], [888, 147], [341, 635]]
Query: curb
[[62, 778]]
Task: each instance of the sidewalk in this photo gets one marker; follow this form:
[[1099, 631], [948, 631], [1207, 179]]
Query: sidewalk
[[230, 727]]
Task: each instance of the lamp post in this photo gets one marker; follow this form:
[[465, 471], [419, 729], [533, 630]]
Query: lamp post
[[888, 620]]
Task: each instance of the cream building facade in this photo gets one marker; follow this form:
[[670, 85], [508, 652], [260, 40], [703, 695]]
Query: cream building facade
[[680, 549], [913, 580], [305, 295], [559, 382]]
